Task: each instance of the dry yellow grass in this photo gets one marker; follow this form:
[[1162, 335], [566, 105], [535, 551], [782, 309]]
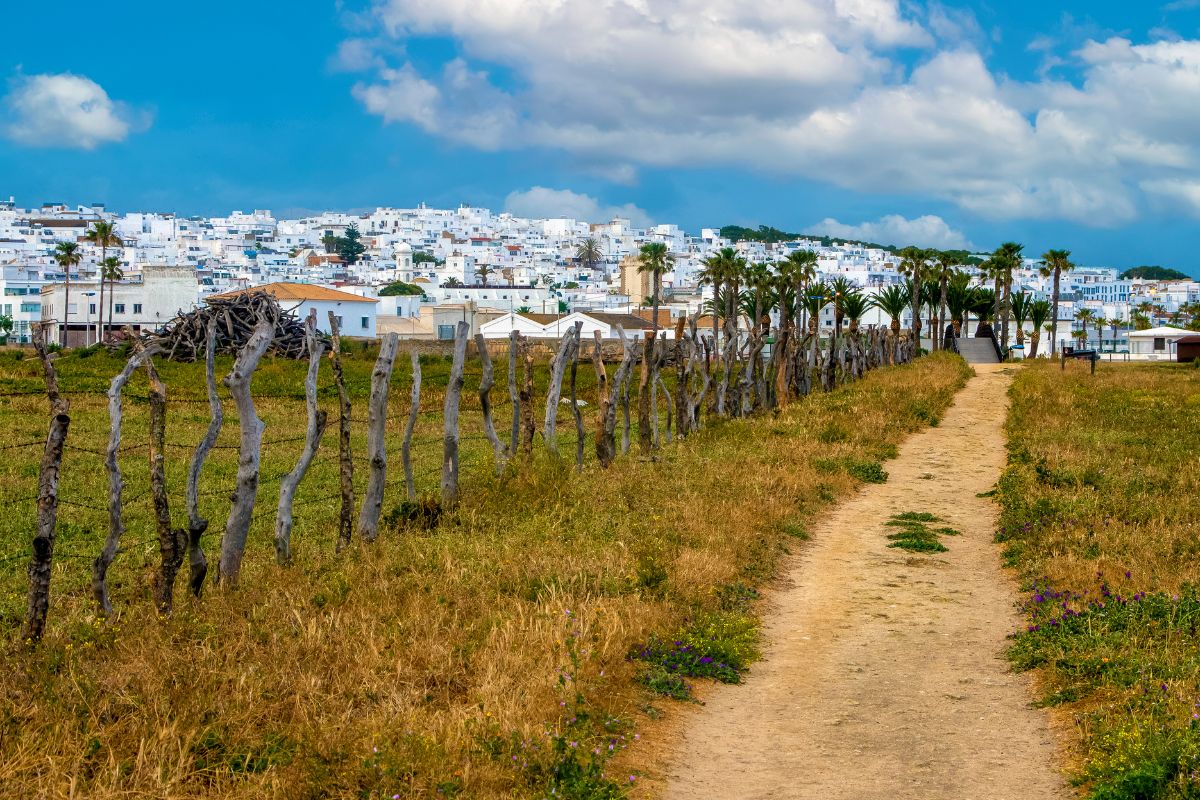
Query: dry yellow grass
[[431, 663], [1100, 517]]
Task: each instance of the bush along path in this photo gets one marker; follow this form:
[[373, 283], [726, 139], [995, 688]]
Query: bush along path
[[883, 673]]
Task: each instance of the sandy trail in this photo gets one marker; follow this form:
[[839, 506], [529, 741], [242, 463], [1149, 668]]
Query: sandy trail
[[883, 674]]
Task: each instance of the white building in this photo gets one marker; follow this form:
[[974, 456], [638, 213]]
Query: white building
[[356, 314], [143, 301]]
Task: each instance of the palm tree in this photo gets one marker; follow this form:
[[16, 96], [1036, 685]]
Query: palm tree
[[589, 253], [1113, 323], [103, 234], [452, 283], [110, 270], [1055, 262], [983, 305], [1039, 312], [914, 263], [840, 287], [717, 269], [1007, 259], [959, 299], [800, 268], [1084, 317], [758, 302], [892, 300], [1022, 307], [657, 260], [67, 255], [482, 272], [854, 305], [945, 267]]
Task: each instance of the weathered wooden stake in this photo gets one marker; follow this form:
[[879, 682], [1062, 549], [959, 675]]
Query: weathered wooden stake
[[197, 525], [575, 412], [41, 562], [485, 401], [604, 448], [527, 404], [414, 409], [116, 485], [237, 527], [317, 419], [172, 542], [645, 438], [514, 396], [345, 457], [450, 414], [558, 366], [377, 412]]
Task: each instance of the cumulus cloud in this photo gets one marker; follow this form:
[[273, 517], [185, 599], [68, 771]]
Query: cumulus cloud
[[893, 229], [542, 203], [66, 110], [811, 88]]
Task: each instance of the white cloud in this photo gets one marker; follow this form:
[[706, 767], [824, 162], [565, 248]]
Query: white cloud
[[893, 229], [810, 88], [67, 110], [542, 203]]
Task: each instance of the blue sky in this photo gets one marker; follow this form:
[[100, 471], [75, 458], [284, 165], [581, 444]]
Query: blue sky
[[1058, 125]]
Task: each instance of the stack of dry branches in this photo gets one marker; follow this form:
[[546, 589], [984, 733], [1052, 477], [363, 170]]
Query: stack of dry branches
[[184, 337]]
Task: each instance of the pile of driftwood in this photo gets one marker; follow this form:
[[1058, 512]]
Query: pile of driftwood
[[184, 337]]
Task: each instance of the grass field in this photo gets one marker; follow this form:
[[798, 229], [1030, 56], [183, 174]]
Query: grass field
[[506, 653], [1100, 517]]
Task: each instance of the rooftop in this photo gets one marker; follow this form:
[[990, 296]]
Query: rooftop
[[301, 292]]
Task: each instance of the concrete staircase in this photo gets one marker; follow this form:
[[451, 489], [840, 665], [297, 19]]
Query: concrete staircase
[[978, 351]]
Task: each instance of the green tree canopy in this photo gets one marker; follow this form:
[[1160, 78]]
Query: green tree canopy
[[1155, 273], [400, 289]]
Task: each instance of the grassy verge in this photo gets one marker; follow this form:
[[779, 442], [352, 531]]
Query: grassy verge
[[1100, 518], [493, 656]]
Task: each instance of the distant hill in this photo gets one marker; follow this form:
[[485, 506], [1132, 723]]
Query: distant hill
[[1155, 273], [769, 235]]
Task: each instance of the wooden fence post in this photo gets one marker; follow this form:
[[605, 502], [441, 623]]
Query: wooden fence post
[[312, 440], [413, 411], [527, 403], [377, 412], [485, 401], [558, 366], [197, 525], [172, 542], [116, 485], [450, 414], [514, 350], [345, 457], [645, 438], [237, 527], [41, 562], [604, 448]]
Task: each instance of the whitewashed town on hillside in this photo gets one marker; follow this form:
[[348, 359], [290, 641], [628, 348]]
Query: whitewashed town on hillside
[[498, 272]]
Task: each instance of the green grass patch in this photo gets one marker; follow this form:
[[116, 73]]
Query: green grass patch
[[915, 536]]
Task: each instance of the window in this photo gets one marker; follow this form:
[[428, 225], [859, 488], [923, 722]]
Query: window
[[445, 332], [8, 308], [30, 308], [341, 322], [137, 308], [120, 308], [1160, 343], [91, 308], [364, 323]]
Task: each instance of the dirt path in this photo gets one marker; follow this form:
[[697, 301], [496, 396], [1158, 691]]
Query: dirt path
[[883, 675]]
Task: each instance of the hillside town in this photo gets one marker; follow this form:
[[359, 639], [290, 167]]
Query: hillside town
[[419, 271]]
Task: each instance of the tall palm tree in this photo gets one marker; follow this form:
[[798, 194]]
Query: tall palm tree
[[1084, 317], [892, 300], [1007, 259], [760, 298], [854, 305], [945, 266], [1022, 306], [482, 272], [841, 287], [959, 300], [801, 268], [914, 264], [657, 260], [1114, 323], [983, 306], [452, 283], [717, 269], [1039, 312], [67, 255], [103, 234], [110, 270], [589, 253], [1055, 262]]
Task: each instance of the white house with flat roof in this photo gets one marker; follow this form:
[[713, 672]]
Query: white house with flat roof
[[1156, 344]]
